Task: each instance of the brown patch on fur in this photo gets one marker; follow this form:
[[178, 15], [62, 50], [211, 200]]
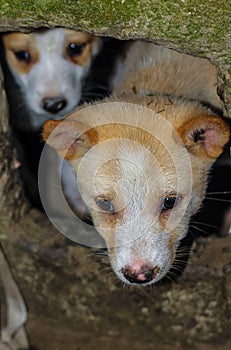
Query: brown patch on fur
[[126, 132], [15, 42], [109, 221], [49, 127], [205, 135], [80, 38], [163, 217], [172, 240], [72, 134]]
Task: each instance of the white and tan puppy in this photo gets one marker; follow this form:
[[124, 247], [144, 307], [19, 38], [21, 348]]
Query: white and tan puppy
[[142, 160], [49, 66]]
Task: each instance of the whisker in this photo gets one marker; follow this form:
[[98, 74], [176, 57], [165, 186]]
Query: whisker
[[102, 253], [176, 268], [92, 254], [218, 199], [171, 276], [205, 224], [20, 107], [193, 233], [182, 265], [107, 269], [184, 248], [84, 216], [222, 192], [179, 256], [199, 229], [76, 260], [181, 260], [175, 275]]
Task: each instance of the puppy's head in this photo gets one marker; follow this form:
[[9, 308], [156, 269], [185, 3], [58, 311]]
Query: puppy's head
[[49, 67], [142, 176]]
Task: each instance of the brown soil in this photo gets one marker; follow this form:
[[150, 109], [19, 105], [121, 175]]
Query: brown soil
[[75, 302]]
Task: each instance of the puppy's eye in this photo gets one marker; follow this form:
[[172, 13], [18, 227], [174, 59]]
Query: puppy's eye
[[22, 55], [75, 49], [169, 203], [105, 205]]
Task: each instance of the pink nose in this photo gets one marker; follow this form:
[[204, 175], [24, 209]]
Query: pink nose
[[140, 272]]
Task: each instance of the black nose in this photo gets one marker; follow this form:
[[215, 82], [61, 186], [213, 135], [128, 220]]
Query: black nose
[[144, 275], [53, 104]]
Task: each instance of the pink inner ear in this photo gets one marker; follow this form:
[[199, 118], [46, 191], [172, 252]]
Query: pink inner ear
[[205, 135], [211, 139], [63, 135]]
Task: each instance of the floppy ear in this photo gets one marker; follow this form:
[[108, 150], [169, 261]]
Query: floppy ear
[[71, 139], [205, 136]]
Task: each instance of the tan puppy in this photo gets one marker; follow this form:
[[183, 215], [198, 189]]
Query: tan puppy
[[142, 160]]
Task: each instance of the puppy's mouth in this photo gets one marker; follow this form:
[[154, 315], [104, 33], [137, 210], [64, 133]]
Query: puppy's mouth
[[141, 273]]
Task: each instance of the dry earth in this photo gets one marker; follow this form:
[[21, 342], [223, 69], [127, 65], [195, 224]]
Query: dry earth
[[75, 301]]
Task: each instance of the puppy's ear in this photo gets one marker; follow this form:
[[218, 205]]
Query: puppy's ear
[[205, 136], [71, 139]]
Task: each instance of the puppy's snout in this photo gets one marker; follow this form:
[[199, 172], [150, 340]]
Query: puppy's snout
[[54, 104], [139, 272]]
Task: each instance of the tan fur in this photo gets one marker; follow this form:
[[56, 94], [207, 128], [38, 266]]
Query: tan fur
[[15, 41], [142, 147], [167, 71], [81, 38]]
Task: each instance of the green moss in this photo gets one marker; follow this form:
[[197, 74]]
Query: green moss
[[196, 26], [161, 18], [185, 22]]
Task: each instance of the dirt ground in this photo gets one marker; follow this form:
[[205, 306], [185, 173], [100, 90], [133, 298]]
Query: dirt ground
[[76, 302]]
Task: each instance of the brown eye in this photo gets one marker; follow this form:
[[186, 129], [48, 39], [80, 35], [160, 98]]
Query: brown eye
[[105, 205], [22, 56], [75, 49], [169, 203]]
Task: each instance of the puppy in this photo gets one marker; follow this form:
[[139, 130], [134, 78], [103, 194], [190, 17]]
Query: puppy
[[49, 67], [142, 159]]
